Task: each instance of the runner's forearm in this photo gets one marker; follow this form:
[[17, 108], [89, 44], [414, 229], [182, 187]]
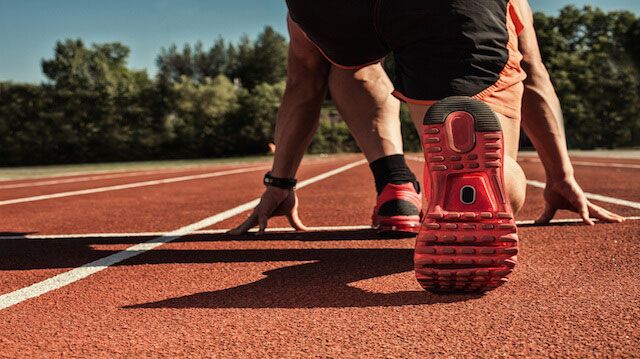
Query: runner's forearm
[[296, 124], [543, 123]]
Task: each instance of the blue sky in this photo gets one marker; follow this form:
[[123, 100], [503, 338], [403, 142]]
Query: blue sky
[[30, 28]]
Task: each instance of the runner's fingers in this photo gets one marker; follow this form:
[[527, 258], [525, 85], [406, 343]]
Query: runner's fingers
[[245, 226], [583, 210], [603, 214], [295, 221], [263, 222], [547, 215]]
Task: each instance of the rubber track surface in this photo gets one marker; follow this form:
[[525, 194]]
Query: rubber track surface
[[575, 292]]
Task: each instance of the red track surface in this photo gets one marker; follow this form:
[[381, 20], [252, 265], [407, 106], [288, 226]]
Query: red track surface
[[575, 291]]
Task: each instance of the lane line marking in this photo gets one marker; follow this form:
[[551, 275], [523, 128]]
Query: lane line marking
[[222, 231], [178, 167], [88, 178], [593, 196], [85, 173], [596, 164], [74, 275], [131, 185], [591, 164], [57, 175]]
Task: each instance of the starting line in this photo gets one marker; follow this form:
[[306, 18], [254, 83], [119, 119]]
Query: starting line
[[527, 222]]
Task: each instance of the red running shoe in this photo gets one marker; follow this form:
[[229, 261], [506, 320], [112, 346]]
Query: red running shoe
[[468, 240], [398, 209]]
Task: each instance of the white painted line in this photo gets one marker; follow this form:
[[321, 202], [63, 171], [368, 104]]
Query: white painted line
[[85, 179], [571, 220], [593, 196], [592, 164], [131, 185], [57, 175], [221, 231], [597, 164], [84, 173], [74, 275]]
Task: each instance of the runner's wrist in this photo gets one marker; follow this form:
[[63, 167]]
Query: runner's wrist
[[286, 183]]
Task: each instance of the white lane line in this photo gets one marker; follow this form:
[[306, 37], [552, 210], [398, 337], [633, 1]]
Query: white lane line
[[57, 175], [593, 196], [88, 178], [131, 185], [597, 164], [74, 275], [221, 231], [591, 164]]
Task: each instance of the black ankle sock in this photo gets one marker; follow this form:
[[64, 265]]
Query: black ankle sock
[[392, 169]]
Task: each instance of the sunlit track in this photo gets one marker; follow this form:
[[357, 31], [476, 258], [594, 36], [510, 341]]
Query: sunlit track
[[65, 174], [593, 196], [97, 288], [132, 185], [269, 230], [45, 176], [74, 275], [91, 178], [592, 164]]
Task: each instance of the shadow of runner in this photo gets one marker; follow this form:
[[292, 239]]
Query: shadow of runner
[[310, 236], [33, 253], [321, 284]]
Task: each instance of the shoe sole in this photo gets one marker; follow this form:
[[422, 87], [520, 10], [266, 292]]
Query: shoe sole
[[468, 240]]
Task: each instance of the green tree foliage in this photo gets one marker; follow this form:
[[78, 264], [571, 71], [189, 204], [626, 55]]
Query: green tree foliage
[[200, 112], [251, 63], [100, 105], [223, 100], [252, 127], [25, 134], [590, 56]]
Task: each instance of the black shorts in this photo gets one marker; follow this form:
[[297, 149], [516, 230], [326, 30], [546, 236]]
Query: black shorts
[[441, 48]]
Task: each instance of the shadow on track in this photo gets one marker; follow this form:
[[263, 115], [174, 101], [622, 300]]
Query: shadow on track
[[557, 224], [33, 253], [323, 283]]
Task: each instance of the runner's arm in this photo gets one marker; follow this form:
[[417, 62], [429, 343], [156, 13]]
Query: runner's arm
[[541, 112], [296, 123], [298, 116], [543, 123]]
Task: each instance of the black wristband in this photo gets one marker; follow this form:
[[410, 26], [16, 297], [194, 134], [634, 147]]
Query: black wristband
[[284, 183]]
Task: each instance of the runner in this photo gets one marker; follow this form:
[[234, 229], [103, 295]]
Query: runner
[[482, 58]]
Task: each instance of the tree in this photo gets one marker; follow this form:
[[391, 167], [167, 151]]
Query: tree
[[593, 73], [252, 126], [98, 104], [198, 120], [250, 63]]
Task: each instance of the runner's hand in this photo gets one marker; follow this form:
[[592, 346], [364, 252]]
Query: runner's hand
[[567, 194], [274, 202]]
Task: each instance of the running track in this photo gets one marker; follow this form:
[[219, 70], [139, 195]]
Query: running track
[[134, 264]]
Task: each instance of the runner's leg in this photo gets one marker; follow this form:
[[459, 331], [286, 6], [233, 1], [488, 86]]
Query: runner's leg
[[363, 98]]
